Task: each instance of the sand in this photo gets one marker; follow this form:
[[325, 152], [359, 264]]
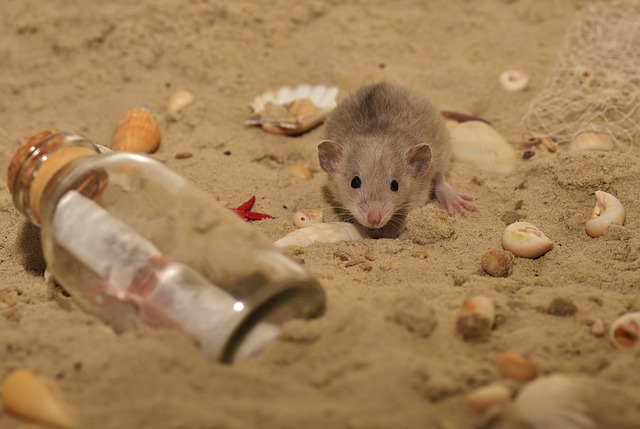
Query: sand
[[374, 359]]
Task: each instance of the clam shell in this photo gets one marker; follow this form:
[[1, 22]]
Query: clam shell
[[137, 132], [591, 141], [320, 232], [553, 402], [625, 331], [478, 143], [525, 240], [37, 399], [293, 110], [607, 211]]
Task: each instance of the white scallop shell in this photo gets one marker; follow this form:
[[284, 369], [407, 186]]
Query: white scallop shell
[[607, 211], [322, 96], [478, 143], [553, 402], [525, 240], [320, 232]]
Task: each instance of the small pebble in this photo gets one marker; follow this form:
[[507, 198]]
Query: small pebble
[[183, 155], [497, 263]]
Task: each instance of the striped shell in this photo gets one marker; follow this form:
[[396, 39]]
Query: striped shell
[[292, 110], [137, 132], [479, 144], [320, 232]]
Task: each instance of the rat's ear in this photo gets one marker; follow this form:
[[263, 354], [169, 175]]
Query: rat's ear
[[418, 160], [330, 156]]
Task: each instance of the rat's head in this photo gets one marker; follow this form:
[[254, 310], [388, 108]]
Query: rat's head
[[371, 181]]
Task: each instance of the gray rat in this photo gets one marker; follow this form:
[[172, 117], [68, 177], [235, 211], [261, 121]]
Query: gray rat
[[387, 150]]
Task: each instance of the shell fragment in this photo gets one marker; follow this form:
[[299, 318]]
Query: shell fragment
[[292, 111], [321, 232]]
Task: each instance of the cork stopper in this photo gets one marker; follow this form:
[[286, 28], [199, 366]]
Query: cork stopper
[[37, 161]]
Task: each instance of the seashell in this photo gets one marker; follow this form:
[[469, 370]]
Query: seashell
[[625, 331], [591, 141], [178, 101], [536, 142], [476, 142], [514, 80], [526, 240], [607, 211], [476, 318], [37, 399], [301, 171], [516, 367], [598, 328], [489, 396], [321, 232], [553, 402], [293, 110], [307, 217], [137, 132], [497, 263]]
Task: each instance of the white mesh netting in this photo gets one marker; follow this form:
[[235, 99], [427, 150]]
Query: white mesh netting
[[596, 84]]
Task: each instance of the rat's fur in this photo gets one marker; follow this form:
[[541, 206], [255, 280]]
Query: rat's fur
[[380, 133]]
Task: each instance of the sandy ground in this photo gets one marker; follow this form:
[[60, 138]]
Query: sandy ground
[[369, 362]]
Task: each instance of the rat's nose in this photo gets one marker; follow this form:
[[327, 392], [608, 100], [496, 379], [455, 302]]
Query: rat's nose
[[374, 217]]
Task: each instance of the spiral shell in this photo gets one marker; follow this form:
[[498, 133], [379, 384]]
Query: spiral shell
[[137, 132], [37, 399], [320, 232]]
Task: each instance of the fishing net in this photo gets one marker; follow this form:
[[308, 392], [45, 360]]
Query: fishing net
[[596, 84]]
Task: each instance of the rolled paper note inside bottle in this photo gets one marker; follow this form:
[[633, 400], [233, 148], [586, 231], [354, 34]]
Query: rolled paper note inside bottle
[[136, 242]]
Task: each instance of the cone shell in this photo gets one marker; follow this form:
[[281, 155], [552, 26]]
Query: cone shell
[[37, 399], [525, 240], [479, 144], [321, 232], [625, 331], [607, 211], [137, 132]]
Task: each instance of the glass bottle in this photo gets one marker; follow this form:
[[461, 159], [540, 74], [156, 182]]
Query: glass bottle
[[136, 243]]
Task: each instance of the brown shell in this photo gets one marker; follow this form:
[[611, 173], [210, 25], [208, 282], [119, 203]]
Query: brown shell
[[137, 132]]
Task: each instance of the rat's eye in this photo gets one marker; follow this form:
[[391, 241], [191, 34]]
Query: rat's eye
[[355, 182], [394, 185]]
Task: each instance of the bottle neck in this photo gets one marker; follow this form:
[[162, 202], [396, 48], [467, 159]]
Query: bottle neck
[[37, 161]]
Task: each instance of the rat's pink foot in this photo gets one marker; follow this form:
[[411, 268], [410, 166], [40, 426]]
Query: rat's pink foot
[[451, 201]]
